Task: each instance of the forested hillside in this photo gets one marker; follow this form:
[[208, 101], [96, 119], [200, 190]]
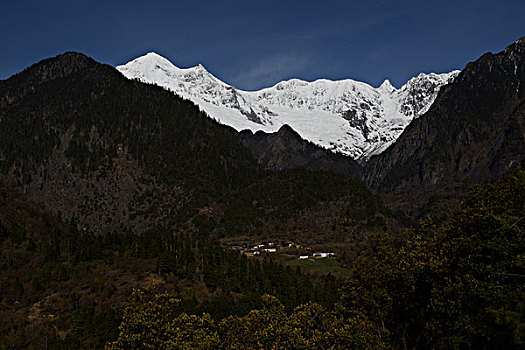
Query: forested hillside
[[66, 288], [110, 184], [108, 153], [459, 286]]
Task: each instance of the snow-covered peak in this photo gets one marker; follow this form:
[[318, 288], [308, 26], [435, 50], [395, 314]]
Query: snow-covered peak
[[151, 60], [153, 56], [154, 65], [417, 95], [346, 116], [386, 86]]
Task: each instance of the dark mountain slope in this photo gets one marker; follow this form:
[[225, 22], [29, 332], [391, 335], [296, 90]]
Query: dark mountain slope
[[285, 149], [475, 130], [113, 155], [108, 152]]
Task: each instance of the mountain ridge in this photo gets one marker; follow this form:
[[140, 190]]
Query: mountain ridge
[[474, 132], [80, 137], [285, 149], [344, 116], [109, 154]]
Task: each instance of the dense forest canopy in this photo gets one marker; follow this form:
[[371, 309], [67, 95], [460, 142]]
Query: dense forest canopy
[[458, 286]]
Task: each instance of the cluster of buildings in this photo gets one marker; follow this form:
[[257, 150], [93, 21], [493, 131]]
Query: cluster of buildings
[[256, 249], [316, 255]]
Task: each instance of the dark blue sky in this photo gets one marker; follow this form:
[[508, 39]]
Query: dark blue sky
[[252, 44]]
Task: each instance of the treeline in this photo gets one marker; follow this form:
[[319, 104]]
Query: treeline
[[461, 286]]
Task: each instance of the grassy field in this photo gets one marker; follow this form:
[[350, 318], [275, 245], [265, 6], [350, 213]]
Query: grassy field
[[321, 266]]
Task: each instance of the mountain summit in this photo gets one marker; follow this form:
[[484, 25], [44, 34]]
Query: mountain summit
[[345, 116]]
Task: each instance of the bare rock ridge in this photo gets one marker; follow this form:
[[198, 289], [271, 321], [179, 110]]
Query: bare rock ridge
[[285, 149]]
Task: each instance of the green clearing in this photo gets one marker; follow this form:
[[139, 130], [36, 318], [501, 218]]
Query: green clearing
[[321, 266]]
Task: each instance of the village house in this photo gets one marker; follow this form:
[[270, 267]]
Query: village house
[[318, 255]]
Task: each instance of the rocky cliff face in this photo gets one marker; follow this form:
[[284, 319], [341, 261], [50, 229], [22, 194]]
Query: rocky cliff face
[[475, 130]]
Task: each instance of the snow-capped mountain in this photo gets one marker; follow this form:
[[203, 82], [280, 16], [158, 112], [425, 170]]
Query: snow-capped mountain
[[345, 116]]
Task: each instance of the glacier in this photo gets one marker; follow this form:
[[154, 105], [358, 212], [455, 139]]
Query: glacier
[[344, 116]]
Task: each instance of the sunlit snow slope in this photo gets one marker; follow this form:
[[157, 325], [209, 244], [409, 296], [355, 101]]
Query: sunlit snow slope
[[345, 116]]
